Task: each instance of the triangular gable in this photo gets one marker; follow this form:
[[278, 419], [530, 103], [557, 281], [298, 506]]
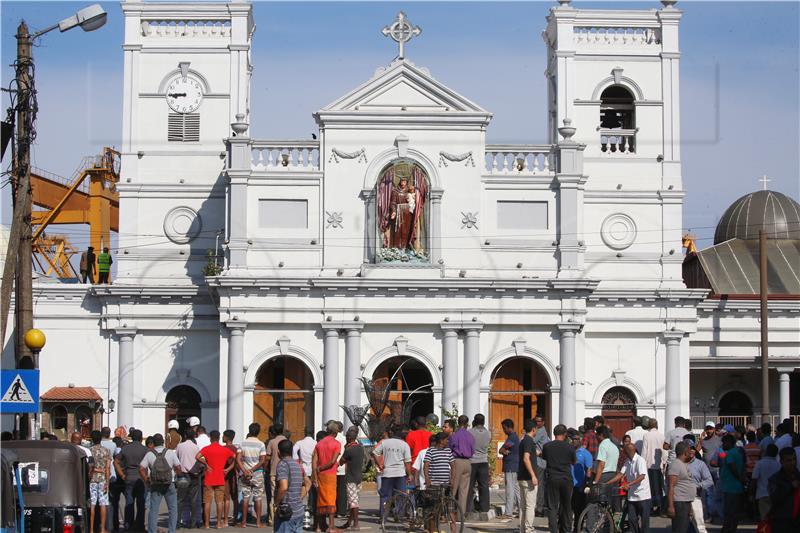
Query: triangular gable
[[403, 86]]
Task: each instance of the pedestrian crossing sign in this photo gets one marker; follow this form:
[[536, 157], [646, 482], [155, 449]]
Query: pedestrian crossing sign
[[20, 389]]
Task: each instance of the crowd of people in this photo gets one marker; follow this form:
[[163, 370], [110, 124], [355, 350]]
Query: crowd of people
[[721, 474], [688, 478]]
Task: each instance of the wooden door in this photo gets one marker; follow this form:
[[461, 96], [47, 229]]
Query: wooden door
[[618, 421]]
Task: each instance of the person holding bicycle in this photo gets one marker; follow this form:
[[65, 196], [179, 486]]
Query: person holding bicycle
[[394, 457], [634, 472]]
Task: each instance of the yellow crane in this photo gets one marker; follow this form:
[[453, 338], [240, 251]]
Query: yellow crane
[[88, 197]]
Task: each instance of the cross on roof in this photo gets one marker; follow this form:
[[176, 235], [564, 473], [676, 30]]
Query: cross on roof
[[401, 31], [764, 180]]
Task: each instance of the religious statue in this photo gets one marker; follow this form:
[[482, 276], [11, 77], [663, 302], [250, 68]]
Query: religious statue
[[402, 195]]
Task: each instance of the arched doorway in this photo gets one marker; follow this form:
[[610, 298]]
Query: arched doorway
[[411, 392], [84, 421], [284, 394], [619, 408], [183, 402], [520, 390], [736, 408]]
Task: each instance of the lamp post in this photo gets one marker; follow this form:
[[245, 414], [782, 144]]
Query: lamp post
[[34, 340], [18, 262], [705, 405], [103, 410]]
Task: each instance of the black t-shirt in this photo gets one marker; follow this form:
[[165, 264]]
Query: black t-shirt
[[354, 461], [560, 457], [527, 445]]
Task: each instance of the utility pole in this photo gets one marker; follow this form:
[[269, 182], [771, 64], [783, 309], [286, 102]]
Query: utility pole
[[19, 244], [764, 289]]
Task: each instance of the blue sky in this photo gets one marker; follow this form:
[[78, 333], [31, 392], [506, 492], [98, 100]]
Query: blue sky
[[306, 54]]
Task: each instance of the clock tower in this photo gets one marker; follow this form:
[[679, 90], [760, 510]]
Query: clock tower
[[187, 75]]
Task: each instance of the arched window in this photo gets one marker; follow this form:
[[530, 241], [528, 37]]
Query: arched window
[[403, 200], [617, 120], [58, 418]]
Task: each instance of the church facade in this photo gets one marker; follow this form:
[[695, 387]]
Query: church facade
[[263, 279]]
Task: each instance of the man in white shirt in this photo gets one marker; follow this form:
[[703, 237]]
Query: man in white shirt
[[341, 484], [766, 467], [634, 470], [304, 450], [418, 468], [653, 456], [637, 433], [675, 436]]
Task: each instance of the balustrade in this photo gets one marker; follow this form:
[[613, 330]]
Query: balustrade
[[519, 159], [618, 141], [616, 35], [186, 28], [285, 155]]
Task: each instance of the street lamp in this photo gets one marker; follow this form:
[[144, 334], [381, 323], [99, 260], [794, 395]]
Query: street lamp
[[18, 263], [89, 19], [706, 405], [111, 405], [34, 340]]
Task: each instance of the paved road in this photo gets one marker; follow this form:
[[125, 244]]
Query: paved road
[[370, 522]]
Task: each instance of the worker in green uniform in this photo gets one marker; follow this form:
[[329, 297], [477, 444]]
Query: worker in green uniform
[[104, 266]]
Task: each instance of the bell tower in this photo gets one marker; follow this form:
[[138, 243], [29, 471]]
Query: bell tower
[[186, 76], [615, 75]]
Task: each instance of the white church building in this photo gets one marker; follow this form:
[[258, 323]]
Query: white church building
[[511, 280]]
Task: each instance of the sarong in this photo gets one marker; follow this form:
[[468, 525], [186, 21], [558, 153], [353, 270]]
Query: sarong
[[326, 494]]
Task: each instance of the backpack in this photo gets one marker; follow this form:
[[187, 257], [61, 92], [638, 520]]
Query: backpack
[[161, 471]]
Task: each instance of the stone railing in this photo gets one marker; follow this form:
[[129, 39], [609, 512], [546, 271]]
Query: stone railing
[[610, 35], [514, 159], [618, 141], [186, 28], [285, 155]]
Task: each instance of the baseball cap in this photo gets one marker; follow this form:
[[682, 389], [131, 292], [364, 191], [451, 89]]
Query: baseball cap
[[173, 424], [728, 428], [193, 421], [710, 424]]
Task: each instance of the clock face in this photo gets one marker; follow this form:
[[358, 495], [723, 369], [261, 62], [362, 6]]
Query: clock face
[[184, 95]]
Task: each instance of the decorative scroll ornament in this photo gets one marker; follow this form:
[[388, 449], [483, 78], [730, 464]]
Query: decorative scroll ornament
[[444, 157], [338, 154], [334, 219], [469, 220]]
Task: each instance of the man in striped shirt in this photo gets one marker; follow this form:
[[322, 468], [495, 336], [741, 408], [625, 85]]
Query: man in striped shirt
[[438, 462]]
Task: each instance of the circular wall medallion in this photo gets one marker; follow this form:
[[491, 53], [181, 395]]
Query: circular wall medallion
[[618, 231], [182, 225]]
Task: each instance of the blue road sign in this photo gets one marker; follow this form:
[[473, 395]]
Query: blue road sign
[[20, 389]]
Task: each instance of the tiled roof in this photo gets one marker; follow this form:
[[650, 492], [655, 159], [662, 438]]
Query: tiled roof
[[71, 394]]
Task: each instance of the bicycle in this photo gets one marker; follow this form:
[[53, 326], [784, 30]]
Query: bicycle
[[599, 515], [433, 510]]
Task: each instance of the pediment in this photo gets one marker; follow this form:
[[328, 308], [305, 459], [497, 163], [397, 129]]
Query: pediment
[[400, 87]]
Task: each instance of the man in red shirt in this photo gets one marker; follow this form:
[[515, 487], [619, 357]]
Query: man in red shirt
[[323, 475], [418, 438], [219, 461]]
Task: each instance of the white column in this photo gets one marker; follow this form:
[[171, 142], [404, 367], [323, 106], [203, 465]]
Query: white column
[[672, 389], [352, 368], [330, 356], [449, 367], [472, 370], [784, 376], [567, 397], [235, 402], [126, 370]]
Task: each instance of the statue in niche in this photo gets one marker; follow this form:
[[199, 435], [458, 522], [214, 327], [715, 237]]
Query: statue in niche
[[402, 192]]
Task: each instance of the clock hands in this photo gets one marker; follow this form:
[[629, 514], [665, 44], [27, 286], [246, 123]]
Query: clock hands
[[175, 95]]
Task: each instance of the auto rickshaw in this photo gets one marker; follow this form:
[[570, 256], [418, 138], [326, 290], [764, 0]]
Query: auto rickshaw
[[54, 481], [10, 494]]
